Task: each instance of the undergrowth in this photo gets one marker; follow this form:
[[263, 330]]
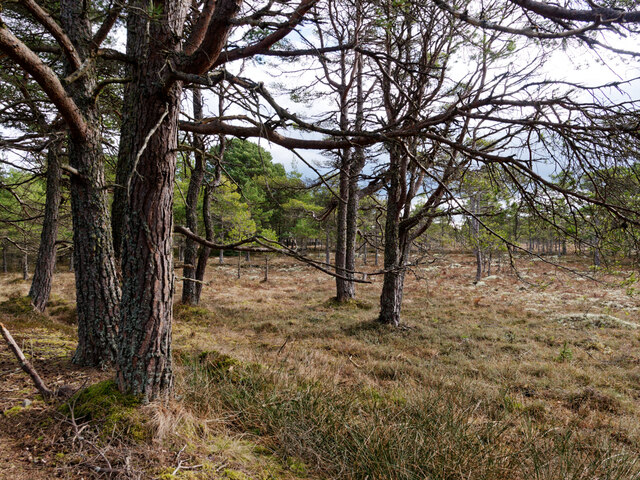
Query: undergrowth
[[359, 432]]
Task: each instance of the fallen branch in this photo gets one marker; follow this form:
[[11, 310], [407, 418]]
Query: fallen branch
[[26, 366]]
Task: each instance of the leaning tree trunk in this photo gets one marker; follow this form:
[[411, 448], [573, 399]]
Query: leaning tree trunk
[[97, 290], [46, 260], [144, 365], [193, 193]]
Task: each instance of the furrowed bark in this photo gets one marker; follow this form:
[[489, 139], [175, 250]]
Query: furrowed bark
[[144, 364], [395, 253], [97, 289], [46, 260]]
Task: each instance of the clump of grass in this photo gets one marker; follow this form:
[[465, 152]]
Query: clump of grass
[[592, 399], [351, 304], [354, 432]]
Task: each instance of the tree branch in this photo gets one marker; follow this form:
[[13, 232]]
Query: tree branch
[[271, 39], [42, 16], [25, 365], [46, 78]]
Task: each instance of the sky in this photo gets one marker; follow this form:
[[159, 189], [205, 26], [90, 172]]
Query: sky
[[575, 63]]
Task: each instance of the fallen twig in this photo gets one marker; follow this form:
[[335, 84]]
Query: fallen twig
[[354, 362], [45, 391]]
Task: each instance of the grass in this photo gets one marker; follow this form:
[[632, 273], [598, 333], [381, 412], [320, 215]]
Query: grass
[[487, 382], [357, 433], [499, 381]]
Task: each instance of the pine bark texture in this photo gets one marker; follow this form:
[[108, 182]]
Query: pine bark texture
[[97, 289], [395, 254], [144, 363], [46, 260]]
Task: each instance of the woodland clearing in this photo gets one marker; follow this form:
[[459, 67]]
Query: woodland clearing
[[536, 377]]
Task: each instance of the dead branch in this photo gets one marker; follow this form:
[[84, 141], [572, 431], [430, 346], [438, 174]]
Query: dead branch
[[26, 365]]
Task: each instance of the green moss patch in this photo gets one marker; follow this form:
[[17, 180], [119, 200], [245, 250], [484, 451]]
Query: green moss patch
[[18, 306], [352, 304], [117, 413], [193, 315]]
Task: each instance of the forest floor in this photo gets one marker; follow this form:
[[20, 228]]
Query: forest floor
[[534, 375]]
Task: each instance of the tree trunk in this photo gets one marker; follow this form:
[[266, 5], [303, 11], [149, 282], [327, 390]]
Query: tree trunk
[[364, 252], [144, 365], [343, 290], [203, 254], [97, 290], [25, 266], [266, 268], [46, 260], [5, 268], [395, 252], [476, 237], [376, 253], [193, 193], [327, 248], [353, 204]]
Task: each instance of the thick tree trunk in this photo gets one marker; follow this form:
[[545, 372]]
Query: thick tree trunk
[[144, 364], [193, 193], [46, 260], [353, 204], [5, 268], [97, 290]]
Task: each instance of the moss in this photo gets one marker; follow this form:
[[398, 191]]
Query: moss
[[351, 304], [190, 314], [117, 412], [235, 474], [17, 306], [13, 411], [297, 466]]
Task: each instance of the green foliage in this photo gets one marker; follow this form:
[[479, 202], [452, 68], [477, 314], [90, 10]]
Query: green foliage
[[565, 355]]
